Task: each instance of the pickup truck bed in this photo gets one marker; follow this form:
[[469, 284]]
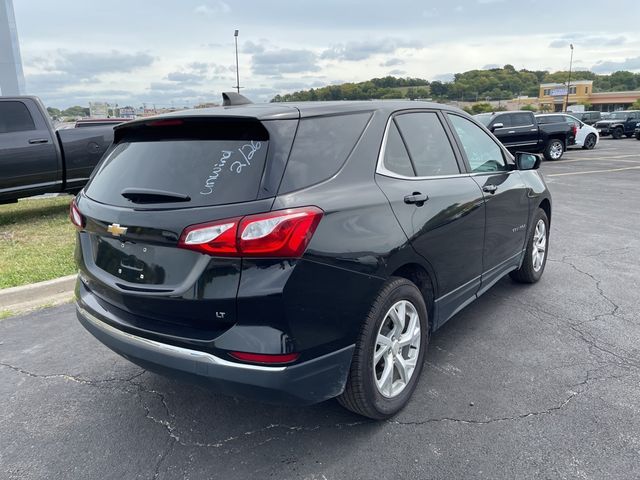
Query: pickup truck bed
[[35, 159]]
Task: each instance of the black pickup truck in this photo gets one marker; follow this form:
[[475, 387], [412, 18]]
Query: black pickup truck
[[36, 159], [520, 131], [619, 124]]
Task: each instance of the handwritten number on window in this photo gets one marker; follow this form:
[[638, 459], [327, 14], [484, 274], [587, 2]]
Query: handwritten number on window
[[247, 151]]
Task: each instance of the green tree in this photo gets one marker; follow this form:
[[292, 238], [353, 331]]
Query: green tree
[[54, 112], [529, 107], [635, 105]]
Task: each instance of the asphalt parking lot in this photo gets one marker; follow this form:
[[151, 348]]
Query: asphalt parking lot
[[537, 381]]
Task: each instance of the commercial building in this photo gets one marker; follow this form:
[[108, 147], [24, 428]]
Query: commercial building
[[553, 97]]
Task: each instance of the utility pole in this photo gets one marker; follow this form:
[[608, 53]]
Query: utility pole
[[235, 35], [566, 107]]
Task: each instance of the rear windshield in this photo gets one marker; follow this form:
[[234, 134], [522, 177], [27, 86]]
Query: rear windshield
[[198, 171]]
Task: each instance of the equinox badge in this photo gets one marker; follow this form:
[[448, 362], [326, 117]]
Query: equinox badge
[[116, 230]]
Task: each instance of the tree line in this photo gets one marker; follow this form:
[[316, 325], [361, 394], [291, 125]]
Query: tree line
[[474, 85]]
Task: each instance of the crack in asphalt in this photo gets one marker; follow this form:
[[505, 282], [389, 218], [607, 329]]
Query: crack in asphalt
[[72, 378], [580, 387]]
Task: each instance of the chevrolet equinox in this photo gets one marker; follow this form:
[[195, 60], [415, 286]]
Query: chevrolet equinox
[[298, 252]]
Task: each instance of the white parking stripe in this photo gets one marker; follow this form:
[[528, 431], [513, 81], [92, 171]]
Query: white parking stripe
[[592, 171], [595, 159]]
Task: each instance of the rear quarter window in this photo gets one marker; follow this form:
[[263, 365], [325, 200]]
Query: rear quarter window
[[320, 148]]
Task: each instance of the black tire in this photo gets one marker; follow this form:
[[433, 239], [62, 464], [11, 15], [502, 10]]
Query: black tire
[[590, 142], [638, 136], [617, 133], [527, 273], [361, 394], [552, 145]]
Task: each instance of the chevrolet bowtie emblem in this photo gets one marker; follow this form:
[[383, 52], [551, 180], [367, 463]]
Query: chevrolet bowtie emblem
[[116, 230]]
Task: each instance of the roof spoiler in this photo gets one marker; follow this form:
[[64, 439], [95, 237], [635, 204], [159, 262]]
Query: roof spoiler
[[233, 98]]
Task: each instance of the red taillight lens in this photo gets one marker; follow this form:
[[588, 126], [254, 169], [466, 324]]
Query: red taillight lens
[[265, 358], [216, 238], [76, 217], [283, 233]]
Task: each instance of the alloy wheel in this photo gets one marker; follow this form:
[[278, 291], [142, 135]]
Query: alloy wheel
[[539, 245], [397, 349], [555, 151]]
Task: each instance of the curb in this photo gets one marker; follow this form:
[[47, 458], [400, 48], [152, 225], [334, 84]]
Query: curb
[[36, 295]]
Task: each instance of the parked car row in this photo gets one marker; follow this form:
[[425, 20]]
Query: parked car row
[[524, 131], [552, 133]]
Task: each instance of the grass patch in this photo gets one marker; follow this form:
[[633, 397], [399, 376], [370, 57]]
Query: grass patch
[[36, 241]]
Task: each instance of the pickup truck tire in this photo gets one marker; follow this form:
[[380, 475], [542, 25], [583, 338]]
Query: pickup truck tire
[[617, 133], [589, 142], [554, 149], [638, 136], [535, 256]]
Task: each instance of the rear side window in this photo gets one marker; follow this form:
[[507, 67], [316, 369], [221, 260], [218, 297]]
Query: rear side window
[[145, 165], [15, 117], [427, 143], [521, 119], [321, 147], [396, 157]]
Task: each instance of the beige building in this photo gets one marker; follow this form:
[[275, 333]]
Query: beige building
[[553, 97]]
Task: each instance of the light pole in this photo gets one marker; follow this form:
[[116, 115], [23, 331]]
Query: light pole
[[566, 107], [235, 35]]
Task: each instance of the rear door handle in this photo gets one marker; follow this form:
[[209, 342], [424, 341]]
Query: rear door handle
[[489, 188], [38, 140], [417, 198]]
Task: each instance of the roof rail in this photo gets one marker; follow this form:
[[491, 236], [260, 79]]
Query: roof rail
[[233, 98]]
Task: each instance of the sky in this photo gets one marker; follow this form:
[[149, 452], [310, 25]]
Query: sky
[[181, 52]]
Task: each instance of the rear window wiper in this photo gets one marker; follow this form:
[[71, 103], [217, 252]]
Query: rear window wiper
[[151, 195]]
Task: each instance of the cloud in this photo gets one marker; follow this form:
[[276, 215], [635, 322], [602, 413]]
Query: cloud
[[277, 62], [88, 65], [209, 10], [600, 41], [610, 66], [392, 62], [354, 51], [250, 47], [397, 73], [185, 77]]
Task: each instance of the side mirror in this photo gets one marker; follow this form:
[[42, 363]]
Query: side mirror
[[527, 161], [497, 125]]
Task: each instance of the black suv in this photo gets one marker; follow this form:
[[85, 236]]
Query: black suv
[[589, 117], [299, 252], [619, 123]]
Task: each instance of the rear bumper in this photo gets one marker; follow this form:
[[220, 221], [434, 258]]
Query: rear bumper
[[306, 383]]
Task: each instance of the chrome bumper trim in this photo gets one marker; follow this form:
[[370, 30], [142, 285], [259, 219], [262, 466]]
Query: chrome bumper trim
[[170, 350]]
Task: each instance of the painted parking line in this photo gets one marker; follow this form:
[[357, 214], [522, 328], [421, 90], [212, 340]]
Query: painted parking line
[[592, 171], [595, 159]]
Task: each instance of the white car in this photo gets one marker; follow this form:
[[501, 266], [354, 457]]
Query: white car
[[587, 137]]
